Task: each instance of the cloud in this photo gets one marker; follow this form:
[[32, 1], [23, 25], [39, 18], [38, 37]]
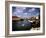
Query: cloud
[[25, 12]]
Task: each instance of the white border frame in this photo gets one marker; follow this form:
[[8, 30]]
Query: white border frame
[[25, 32]]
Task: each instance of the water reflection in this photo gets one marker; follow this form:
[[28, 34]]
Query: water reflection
[[22, 25]]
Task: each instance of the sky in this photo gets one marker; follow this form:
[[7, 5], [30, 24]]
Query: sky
[[25, 12]]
